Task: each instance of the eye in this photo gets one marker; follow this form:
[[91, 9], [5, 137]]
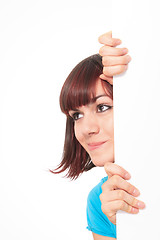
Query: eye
[[77, 115], [103, 107]]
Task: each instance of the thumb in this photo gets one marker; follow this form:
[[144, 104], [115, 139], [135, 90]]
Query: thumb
[[114, 169], [107, 39], [105, 36], [108, 169]]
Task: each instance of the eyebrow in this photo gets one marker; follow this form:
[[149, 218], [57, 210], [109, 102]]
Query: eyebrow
[[93, 100]]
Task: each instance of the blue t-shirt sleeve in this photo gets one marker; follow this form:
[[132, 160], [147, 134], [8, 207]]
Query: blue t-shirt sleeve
[[96, 219]]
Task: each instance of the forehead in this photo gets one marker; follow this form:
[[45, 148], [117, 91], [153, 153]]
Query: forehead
[[100, 93], [99, 89], [75, 94]]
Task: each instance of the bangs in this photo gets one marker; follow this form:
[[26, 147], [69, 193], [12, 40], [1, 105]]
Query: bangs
[[79, 87]]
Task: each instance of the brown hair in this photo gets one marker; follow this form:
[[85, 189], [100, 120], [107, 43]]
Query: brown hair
[[78, 90]]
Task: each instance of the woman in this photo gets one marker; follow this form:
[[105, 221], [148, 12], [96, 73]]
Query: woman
[[87, 100]]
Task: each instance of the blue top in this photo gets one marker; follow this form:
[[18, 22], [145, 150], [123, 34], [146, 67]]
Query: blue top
[[97, 220]]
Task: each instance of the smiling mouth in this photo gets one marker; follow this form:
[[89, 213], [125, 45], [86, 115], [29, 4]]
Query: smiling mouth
[[93, 146]]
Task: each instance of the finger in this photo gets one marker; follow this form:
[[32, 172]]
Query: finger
[[129, 199], [117, 182], [112, 60], [110, 209], [114, 70], [107, 210], [106, 78], [122, 195], [114, 169], [107, 39], [123, 206], [110, 51]]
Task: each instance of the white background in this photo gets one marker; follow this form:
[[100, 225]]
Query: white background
[[40, 42], [137, 114]]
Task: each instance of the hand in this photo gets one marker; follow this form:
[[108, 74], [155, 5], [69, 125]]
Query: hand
[[115, 60], [118, 194]]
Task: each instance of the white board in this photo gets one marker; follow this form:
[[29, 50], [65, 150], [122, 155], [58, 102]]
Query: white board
[[40, 43], [137, 113]]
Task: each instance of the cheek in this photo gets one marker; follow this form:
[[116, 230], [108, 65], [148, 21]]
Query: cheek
[[78, 134], [111, 128], [100, 158], [108, 125]]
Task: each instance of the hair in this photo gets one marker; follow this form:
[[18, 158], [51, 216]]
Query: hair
[[78, 90]]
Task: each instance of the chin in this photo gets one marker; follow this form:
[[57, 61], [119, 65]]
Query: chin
[[100, 157], [101, 161]]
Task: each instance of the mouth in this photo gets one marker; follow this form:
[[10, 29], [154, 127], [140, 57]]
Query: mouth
[[93, 146]]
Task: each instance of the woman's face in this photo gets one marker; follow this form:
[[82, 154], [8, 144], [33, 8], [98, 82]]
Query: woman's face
[[94, 127]]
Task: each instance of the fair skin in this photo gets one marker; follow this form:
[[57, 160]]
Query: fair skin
[[95, 132], [94, 127]]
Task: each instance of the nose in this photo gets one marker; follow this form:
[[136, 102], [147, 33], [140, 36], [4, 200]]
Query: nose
[[91, 125]]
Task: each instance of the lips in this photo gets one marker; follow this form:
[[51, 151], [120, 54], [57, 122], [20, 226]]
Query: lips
[[95, 145]]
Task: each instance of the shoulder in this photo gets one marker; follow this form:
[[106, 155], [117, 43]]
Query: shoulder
[[97, 220], [96, 191]]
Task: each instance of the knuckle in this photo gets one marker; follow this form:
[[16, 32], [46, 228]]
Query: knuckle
[[129, 209], [116, 179], [121, 194], [130, 188], [107, 71], [106, 61], [103, 60], [101, 50], [134, 201], [121, 204]]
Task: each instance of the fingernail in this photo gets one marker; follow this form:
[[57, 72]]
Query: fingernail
[[141, 204], [134, 210], [127, 175], [136, 192], [125, 50]]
